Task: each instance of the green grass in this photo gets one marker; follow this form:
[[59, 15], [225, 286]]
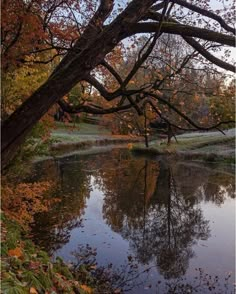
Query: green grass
[[211, 148], [82, 128], [192, 143], [195, 143], [70, 133]]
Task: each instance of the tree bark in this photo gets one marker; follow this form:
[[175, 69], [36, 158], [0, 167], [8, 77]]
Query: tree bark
[[145, 128], [169, 134]]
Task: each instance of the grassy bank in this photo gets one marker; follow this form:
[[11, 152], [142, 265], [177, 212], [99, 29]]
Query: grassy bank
[[27, 269], [85, 135], [212, 146], [78, 132], [67, 138]]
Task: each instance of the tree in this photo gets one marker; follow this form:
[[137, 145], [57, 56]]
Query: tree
[[222, 104], [103, 31]]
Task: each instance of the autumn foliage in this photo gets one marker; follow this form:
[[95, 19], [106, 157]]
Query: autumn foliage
[[21, 31], [22, 201]]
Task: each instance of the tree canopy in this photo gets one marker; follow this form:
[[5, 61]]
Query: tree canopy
[[93, 42]]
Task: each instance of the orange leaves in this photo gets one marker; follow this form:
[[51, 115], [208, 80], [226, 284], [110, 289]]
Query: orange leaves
[[86, 289], [33, 291], [25, 31], [130, 146], [22, 201], [47, 124], [17, 252]]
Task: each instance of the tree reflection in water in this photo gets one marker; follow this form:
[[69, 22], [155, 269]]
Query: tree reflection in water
[[153, 204], [158, 221], [51, 230]]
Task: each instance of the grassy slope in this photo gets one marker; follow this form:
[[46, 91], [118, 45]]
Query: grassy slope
[[196, 145], [65, 138], [68, 133], [68, 138]]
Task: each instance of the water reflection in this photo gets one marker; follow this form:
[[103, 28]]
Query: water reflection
[[52, 229], [159, 222], [155, 205]]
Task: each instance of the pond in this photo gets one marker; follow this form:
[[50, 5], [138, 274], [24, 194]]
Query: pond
[[161, 225]]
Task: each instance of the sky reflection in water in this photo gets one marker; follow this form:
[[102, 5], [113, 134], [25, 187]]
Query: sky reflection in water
[[171, 217]]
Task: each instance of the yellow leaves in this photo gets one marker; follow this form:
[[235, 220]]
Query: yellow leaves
[[86, 289], [17, 252], [21, 83]]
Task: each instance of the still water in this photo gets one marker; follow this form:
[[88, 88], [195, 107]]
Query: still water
[[164, 226]]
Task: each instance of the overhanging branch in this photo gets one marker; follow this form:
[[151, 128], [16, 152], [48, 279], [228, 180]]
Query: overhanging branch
[[164, 99], [182, 30], [196, 45], [205, 53], [205, 12], [91, 109]]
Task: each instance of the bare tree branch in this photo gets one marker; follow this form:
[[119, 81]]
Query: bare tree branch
[[112, 71], [205, 13], [182, 30], [216, 126], [192, 42], [208, 55], [109, 96], [164, 99], [142, 58], [91, 109]]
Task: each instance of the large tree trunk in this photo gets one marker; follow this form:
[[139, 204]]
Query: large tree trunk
[[19, 124], [87, 53]]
